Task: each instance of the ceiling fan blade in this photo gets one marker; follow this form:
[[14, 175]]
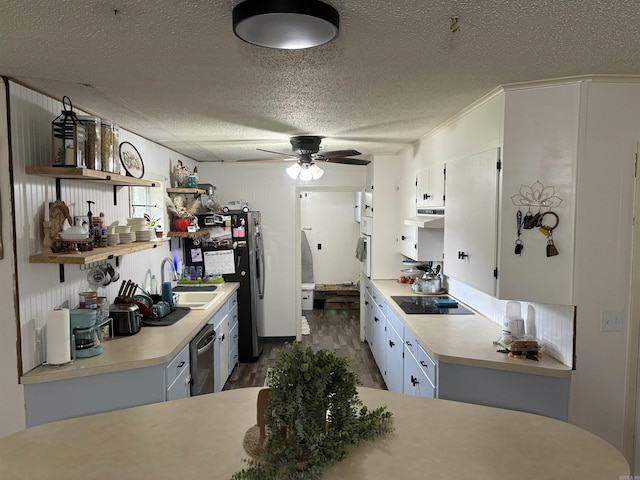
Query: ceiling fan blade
[[287, 159], [341, 153], [345, 160], [277, 153]]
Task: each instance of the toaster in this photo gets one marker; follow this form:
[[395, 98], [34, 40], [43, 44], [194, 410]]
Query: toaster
[[127, 319]]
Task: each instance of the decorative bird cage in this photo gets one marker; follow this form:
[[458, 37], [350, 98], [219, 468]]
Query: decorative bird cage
[[68, 138]]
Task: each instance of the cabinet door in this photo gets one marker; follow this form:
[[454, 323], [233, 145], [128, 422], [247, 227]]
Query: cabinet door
[[416, 381], [394, 362], [379, 323], [407, 243], [181, 387], [470, 224], [233, 347], [222, 339], [430, 187]]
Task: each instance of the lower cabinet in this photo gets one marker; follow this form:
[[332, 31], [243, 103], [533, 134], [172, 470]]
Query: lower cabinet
[[232, 318], [393, 372], [178, 376], [225, 350]]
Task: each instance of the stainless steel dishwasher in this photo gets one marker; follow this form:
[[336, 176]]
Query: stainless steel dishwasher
[[201, 350]]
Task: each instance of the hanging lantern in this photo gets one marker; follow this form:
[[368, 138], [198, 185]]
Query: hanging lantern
[[69, 137]]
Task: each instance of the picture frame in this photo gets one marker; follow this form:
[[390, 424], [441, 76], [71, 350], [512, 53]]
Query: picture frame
[[131, 160]]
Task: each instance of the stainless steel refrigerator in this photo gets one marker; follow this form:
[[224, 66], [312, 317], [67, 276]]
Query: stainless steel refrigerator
[[235, 250]]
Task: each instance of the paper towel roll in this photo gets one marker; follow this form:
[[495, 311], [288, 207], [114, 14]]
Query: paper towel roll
[[58, 336]]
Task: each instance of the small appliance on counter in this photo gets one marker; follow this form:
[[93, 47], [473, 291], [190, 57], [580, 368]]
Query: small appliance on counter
[[127, 319], [85, 332]]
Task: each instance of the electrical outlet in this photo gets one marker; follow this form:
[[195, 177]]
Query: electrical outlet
[[611, 321]]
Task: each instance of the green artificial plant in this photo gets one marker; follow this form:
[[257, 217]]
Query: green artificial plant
[[313, 417]]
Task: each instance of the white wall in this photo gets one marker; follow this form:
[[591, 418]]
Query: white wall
[[328, 219], [39, 285], [12, 398], [267, 188]]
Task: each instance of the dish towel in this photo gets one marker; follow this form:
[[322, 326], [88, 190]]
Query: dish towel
[[361, 249]]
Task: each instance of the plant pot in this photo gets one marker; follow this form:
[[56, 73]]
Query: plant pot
[[181, 224]]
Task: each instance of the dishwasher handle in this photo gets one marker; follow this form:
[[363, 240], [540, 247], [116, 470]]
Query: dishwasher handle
[[208, 343]]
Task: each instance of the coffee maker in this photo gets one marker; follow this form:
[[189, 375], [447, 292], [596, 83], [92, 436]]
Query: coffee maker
[[85, 333]]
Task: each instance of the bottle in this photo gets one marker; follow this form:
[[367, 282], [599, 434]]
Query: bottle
[[154, 285]]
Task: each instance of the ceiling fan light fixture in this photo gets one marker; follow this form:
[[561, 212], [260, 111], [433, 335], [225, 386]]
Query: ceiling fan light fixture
[[306, 175], [286, 24], [316, 171], [294, 170]]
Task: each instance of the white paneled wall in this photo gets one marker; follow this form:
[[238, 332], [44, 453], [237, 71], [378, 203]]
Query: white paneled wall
[[39, 286], [328, 220]]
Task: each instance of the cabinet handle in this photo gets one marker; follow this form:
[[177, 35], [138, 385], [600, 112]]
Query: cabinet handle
[[403, 237], [422, 362], [181, 364], [408, 343], [222, 337], [391, 344], [426, 196], [414, 381], [462, 255], [375, 319]]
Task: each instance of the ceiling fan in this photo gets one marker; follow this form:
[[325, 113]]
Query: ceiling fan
[[306, 148]]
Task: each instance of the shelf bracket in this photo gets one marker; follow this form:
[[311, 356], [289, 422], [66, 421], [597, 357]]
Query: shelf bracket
[[57, 189], [115, 196], [61, 270]]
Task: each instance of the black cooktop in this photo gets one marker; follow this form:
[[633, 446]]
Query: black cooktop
[[425, 305]]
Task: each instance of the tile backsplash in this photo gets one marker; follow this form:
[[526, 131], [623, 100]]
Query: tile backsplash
[[554, 323]]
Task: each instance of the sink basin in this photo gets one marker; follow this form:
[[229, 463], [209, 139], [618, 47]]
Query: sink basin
[[196, 300]]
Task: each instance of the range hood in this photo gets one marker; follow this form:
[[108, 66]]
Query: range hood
[[427, 218]]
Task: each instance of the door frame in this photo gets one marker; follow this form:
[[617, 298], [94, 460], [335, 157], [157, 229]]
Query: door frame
[[300, 189]]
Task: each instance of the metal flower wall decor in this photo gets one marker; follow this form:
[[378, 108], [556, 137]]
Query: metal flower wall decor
[[536, 195]]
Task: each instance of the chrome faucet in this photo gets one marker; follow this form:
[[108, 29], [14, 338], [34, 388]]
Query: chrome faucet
[[173, 269]]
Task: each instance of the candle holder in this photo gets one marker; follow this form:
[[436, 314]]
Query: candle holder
[[46, 240]]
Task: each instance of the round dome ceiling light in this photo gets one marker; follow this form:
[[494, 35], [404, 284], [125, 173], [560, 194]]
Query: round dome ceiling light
[[285, 24]]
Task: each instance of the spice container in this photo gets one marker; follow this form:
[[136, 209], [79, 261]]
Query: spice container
[[110, 142], [93, 151]]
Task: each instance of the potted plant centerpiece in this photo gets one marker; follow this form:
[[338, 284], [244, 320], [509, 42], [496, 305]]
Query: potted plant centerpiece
[[182, 211], [313, 415]]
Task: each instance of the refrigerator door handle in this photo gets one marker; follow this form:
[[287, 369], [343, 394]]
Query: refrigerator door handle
[[260, 265]]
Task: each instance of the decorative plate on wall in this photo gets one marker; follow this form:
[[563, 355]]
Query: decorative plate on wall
[[131, 160]]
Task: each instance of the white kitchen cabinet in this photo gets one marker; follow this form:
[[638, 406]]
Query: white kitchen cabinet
[[430, 185], [369, 330], [357, 205], [416, 381], [470, 224], [232, 319], [393, 372], [420, 244], [178, 376]]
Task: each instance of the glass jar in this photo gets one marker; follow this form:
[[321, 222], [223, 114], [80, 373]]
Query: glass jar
[[93, 127], [110, 142]]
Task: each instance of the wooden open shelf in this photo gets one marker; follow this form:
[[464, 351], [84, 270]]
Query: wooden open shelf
[[90, 175], [187, 191], [95, 255], [198, 234]]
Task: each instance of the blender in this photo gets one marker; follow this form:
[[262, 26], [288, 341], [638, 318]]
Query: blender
[[85, 332]]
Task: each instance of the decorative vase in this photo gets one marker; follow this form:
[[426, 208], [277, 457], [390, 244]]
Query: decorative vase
[[181, 224]]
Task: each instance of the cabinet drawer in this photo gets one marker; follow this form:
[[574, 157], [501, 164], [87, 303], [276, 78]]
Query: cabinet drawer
[[233, 301], [410, 342], [428, 365], [176, 366], [217, 317], [395, 322], [181, 387], [233, 317]]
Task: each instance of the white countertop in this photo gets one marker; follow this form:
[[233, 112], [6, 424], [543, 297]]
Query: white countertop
[[463, 339], [201, 437], [149, 347]]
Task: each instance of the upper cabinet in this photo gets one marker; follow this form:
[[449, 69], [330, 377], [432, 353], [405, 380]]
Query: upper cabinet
[[430, 187], [535, 159]]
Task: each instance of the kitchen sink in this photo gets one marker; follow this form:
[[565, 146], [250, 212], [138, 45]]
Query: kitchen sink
[[196, 300]]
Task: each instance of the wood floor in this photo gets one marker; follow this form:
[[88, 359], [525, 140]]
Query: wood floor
[[335, 330]]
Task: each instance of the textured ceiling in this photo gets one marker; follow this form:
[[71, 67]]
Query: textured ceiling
[[175, 73]]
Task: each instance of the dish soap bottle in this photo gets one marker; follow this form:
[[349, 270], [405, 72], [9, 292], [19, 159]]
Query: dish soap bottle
[[154, 285]]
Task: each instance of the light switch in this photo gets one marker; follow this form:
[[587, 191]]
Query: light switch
[[611, 321]]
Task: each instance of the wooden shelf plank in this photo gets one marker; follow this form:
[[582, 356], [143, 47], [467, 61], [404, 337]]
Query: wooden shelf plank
[[95, 255], [90, 175], [192, 191], [198, 234]]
